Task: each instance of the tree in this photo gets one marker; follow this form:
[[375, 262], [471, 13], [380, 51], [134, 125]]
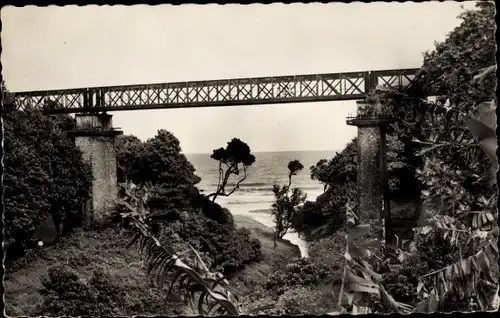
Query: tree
[[236, 154], [45, 175], [129, 153], [160, 162], [286, 202]]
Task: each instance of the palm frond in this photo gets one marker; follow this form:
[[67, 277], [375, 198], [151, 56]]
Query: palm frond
[[201, 288], [163, 260]]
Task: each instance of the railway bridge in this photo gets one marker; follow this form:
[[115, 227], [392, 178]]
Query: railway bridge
[[94, 133]]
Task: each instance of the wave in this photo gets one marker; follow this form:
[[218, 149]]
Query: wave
[[250, 184], [268, 188], [233, 202]]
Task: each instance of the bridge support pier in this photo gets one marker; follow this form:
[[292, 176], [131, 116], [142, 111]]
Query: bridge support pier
[[373, 190], [95, 137]]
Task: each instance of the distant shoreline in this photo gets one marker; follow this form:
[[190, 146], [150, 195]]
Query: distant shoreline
[[274, 151]]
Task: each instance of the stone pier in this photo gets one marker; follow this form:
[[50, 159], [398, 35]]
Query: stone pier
[[373, 200], [95, 137], [369, 176]]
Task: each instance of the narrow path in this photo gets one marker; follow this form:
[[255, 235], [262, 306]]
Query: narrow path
[[254, 273]]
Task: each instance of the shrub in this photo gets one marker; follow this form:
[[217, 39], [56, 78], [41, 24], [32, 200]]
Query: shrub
[[215, 212], [64, 294], [228, 248], [159, 161], [304, 300], [107, 292], [297, 300], [300, 272], [327, 250]]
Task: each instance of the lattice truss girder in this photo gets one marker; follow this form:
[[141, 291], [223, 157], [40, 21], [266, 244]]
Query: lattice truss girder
[[336, 86]]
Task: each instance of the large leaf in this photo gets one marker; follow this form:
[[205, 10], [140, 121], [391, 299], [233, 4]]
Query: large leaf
[[359, 284], [203, 288], [358, 231], [482, 124], [389, 301], [483, 73]]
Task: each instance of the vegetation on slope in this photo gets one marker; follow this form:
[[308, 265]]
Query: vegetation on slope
[[169, 181], [43, 286]]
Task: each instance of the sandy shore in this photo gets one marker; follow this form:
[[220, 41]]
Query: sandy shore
[[263, 233], [265, 222]]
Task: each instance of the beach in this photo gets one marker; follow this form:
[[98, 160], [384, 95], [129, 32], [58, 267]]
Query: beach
[[263, 220], [254, 196]]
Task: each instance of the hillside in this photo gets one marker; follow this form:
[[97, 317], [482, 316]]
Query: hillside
[[246, 279], [85, 251]]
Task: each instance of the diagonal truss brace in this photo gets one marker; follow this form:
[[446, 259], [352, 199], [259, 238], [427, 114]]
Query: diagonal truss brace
[[228, 92]]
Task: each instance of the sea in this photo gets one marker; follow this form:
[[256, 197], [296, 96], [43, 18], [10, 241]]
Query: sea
[[254, 197]]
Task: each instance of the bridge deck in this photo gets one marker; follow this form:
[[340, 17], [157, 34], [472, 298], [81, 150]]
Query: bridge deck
[[211, 93]]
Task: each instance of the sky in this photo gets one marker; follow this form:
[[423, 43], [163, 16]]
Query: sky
[[70, 47]]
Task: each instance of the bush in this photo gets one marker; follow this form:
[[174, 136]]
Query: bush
[[303, 300], [228, 248], [159, 161], [215, 212], [327, 250], [65, 294], [300, 272], [298, 300], [433, 253]]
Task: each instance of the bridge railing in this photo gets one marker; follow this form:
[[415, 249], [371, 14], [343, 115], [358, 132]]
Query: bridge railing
[[230, 92]]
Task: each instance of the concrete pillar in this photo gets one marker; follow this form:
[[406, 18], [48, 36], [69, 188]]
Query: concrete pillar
[[373, 202], [95, 137], [369, 176]]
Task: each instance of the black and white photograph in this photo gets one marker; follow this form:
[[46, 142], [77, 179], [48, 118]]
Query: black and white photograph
[[261, 159]]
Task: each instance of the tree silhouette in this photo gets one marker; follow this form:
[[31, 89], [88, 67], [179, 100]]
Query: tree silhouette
[[285, 204], [236, 154]]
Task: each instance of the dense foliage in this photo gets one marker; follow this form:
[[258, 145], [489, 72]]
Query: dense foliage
[[300, 272], [44, 177], [227, 248], [172, 258], [455, 263], [160, 162], [453, 158], [66, 293]]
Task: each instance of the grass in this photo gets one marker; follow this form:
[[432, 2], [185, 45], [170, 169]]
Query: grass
[[246, 279], [84, 251]]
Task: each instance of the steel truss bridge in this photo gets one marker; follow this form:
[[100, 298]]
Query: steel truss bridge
[[213, 93]]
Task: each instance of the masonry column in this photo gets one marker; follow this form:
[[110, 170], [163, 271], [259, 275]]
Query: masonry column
[[95, 137], [373, 203]]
